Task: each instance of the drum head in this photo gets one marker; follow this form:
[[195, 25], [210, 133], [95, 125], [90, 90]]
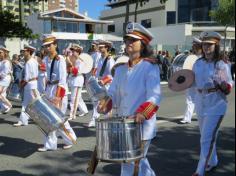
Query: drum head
[[189, 62], [121, 60], [181, 80], [88, 63]]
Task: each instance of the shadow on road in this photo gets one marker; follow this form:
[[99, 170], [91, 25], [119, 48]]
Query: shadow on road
[[17, 147], [13, 173]]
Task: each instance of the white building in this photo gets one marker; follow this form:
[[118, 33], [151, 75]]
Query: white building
[[174, 24], [69, 26]]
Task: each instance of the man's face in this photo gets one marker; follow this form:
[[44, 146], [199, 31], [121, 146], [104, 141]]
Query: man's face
[[26, 54], [50, 48], [102, 49]]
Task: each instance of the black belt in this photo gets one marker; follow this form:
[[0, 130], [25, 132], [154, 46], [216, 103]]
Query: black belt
[[208, 90]]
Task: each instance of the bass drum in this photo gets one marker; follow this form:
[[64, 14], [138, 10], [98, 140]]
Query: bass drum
[[120, 60]]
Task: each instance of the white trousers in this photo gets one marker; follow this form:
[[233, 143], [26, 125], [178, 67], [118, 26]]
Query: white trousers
[[50, 141], [3, 106], [209, 127], [77, 101], [144, 166], [29, 95], [190, 106], [3, 99], [95, 114]]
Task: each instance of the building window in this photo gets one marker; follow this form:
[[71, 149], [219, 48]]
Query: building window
[[171, 17], [147, 23], [111, 28]]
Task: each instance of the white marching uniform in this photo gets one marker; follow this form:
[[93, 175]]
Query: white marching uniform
[[57, 78], [105, 76], [5, 80], [30, 89], [190, 98], [42, 78], [76, 82], [211, 105], [131, 87], [96, 56]]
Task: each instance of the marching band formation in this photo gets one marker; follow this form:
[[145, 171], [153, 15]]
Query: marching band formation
[[131, 90]]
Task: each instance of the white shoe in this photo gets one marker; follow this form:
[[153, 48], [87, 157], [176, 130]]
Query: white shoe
[[66, 147], [19, 124], [91, 124], [43, 149], [211, 168], [82, 115], [184, 122], [7, 110]]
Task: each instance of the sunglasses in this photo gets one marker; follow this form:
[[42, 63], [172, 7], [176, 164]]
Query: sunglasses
[[130, 40]]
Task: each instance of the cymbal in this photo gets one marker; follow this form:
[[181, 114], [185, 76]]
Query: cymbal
[[181, 80]]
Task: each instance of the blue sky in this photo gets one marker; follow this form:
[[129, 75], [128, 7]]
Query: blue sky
[[94, 7]]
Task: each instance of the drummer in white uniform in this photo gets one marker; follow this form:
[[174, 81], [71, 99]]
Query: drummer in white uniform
[[103, 73], [96, 55], [136, 92], [213, 83], [5, 78], [28, 84], [76, 81], [191, 92], [56, 92]]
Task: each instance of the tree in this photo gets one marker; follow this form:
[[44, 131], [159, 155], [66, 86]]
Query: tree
[[225, 15], [11, 28]]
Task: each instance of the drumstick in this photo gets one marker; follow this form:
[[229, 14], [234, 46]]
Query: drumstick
[[68, 134]]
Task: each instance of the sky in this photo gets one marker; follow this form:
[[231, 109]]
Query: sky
[[93, 7]]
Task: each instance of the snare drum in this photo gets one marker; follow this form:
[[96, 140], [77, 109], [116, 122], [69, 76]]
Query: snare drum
[[45, 115], [118, 140]]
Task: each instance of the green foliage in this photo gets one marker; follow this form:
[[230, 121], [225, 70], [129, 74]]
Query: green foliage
[[225, 13], [11, 28]]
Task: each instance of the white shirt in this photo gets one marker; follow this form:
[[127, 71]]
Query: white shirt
[[77, 81], [206, 73], [107, 72], [31, 72], [59, 73], [96, 56], [5, 71], [131, 87]]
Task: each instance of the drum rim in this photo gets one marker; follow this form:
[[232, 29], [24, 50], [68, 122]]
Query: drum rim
[[117, 120]]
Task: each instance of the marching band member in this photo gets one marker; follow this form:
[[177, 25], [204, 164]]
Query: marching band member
[[42, 71], [96, 55], [213, 82], [28, 83], [5, 78], [136, 92], [56, 92], [103, 73], [191, 92], [76, 81]]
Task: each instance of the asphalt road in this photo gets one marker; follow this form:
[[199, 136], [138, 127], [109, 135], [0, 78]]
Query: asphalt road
[[173, 153]]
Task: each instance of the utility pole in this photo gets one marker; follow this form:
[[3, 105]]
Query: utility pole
[[21, 12]]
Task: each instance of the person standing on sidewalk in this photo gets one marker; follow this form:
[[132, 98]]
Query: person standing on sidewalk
[[28, 84], [213, 83], [191, 92]]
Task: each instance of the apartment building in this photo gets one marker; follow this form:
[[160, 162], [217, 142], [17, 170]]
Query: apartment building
[[69, 4], [174, 23]]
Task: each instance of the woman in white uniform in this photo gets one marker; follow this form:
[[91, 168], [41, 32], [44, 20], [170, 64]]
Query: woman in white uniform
[[103, 73], [76, 82], [28, 84], [5, 78], [56, 92], [136, 92], [213, 83]]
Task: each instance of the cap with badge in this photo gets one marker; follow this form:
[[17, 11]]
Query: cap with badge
[[48, 39], [29, 48], [196, 41], [2, 48], [210, 37], [137, 31], [76, 47], [102, 43]]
